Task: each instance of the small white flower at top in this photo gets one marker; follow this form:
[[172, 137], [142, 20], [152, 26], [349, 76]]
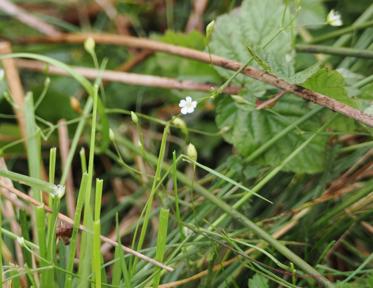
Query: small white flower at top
[[187, 105], [334, 18]]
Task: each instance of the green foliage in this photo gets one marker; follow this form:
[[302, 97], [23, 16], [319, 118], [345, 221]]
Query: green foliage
[[211, 223], [186, 69], [330, 83], [248, 128], [258, 281], [266, 27]]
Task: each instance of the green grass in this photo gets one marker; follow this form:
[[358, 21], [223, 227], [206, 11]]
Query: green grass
[[226, 219]]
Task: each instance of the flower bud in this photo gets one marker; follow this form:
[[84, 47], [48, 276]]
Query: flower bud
[[75, 105], [210, 29], [239, 99], [192, 152], [21, 241], [58, 191], [134, 118], [89, 45], [111, 135]]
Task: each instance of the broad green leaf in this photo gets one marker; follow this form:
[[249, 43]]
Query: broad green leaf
[[261, 26], [330, 83], [257, 25], [312, 14], [369, 110], [367, 92], [248, 130], [258, 281], [184, 69], [302, 76]]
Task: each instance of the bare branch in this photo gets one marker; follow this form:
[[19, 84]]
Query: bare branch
[[28, 19], [123, 77], [252, 72]]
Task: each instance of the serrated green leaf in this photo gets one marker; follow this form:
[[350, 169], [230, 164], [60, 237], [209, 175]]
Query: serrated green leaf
[[254, 25], [312, 14], [369, 110], [249, 130], [262, 26], [330, 83], [184, 69], [258, 281], [302, 76]]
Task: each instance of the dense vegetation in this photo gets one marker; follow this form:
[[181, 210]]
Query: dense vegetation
[[186, 143]]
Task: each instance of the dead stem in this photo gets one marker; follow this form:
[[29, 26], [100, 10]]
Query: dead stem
[[252, 72]]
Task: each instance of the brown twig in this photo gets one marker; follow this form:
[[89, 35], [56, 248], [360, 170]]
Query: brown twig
[[124, 229], [195, 21], [70, 221], [270, 102], [123, 77], [16, 92], [252, 72], [131, 63], [10, 214], [28, 19], [64, 144], [15, 86]]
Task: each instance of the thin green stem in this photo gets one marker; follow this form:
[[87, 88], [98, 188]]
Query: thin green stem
[[339, 51], [334, 34]]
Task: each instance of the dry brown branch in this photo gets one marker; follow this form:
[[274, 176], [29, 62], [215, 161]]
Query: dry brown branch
[[68, 220], [28, 19], [252, 72], [10, 214], [124, 229], [271, 102], [138, 58], [63, 137], [195, 21], [16, 93], [123, 77], [15, 86]]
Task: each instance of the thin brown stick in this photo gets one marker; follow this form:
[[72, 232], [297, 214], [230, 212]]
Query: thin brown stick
[[195, 21], [70, 221], [17, 93], [123, 77], [10, 214], [252, 72], [270, 102], [28, 19], [124, 229], [15, 86], [138, 58], [63, 137]]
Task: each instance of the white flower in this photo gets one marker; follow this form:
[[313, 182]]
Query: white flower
[[58, 191], [187, 105], [334, 18]]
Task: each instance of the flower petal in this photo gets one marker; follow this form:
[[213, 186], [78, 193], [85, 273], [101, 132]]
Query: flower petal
[[194, 104], [188, 99], [182, 103], [190, 109], [184, 110]]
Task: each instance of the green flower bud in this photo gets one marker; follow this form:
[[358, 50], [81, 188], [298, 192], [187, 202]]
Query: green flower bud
[[192, 152], [89, 45], [111, 135], [58, 191], [134, 118], [209, 30]]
